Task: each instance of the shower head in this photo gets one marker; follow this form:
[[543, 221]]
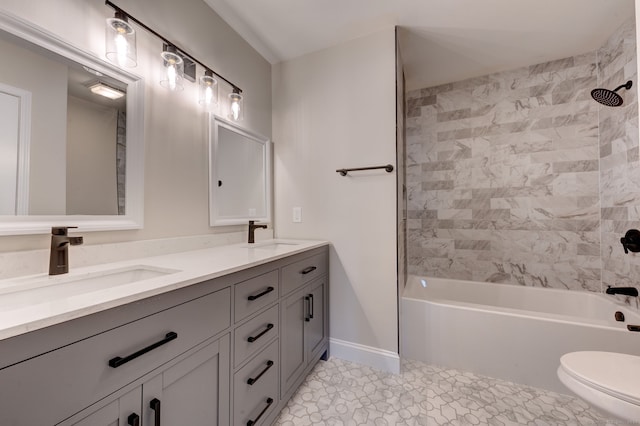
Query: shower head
[[610, 97]]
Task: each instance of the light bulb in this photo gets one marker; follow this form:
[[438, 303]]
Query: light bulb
[[120, 41], [121, 48], [208, 91], [235, 106], [235, 109], [174, 69], [171, 76]]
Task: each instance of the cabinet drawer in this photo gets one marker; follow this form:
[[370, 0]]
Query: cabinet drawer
[[303, 271], [81, 372], [249, 400], [252, 336], [252, 295]]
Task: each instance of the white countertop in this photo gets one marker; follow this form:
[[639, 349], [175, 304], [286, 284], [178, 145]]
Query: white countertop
[[42, 306]]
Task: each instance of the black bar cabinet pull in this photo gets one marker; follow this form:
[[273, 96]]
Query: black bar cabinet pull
[[155, 406], [307, 301], [343, 172], [311, 306], [308, 270], [253, 422], [252, 339], [133, 420], [259, 295], [252, 380], [118, 361]]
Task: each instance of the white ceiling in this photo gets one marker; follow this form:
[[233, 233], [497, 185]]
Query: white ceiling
[[441, 40]]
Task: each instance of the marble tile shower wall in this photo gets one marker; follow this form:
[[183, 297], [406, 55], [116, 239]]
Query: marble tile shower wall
[[619, 159], [503, 173]]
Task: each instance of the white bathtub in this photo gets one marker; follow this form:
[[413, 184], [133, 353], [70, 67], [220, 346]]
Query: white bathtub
[[510, 332]]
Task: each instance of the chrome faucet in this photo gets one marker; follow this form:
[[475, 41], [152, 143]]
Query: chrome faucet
[[59, 255], [252, 230]]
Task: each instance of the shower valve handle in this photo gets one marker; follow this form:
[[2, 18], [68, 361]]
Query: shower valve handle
[[631, 241]]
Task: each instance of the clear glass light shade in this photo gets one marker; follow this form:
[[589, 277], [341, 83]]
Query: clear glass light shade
[[236, 107], [120, 41], [208, 91], [174, 69]]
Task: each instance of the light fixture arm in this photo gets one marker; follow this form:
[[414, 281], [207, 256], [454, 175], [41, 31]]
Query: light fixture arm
[[118, 10]]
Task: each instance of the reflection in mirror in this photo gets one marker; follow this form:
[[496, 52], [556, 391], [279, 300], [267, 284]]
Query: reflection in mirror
[[72, 136], [239, 175]]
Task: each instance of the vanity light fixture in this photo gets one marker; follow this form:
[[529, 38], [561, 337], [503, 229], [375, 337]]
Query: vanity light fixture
[[171, 53], [236, 106], [102, 89], [120, 40], [174, 68], [208, 90]]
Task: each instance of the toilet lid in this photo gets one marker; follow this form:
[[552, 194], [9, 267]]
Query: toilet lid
[[613, 373]]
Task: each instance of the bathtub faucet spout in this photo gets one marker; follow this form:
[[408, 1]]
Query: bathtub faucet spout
[[627, 291]]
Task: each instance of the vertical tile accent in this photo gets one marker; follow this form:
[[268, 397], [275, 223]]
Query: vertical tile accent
[[516, 169]]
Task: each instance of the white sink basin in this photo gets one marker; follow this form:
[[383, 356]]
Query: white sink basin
[[27, 291], [271, 245], [608, 381]]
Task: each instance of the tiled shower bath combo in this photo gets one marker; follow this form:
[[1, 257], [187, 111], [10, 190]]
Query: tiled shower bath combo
[[521, 178]]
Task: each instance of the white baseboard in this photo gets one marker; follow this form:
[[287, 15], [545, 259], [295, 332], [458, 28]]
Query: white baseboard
[[373, 357]]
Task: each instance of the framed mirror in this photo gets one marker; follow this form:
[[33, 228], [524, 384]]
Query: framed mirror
[[239, 174], [71, 155]]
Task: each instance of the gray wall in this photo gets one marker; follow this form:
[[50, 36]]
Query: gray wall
[[334, 109], [504, 172], [91, 158], [47, 81]]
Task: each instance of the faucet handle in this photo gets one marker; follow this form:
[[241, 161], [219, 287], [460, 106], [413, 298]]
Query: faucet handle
[[631, 241], [61, 230]]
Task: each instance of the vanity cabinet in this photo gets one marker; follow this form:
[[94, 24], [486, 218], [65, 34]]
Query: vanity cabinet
[[304, 323], [230, 350], [193, 387]]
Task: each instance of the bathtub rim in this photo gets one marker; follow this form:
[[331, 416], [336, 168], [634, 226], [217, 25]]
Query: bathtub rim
[[523, 313]]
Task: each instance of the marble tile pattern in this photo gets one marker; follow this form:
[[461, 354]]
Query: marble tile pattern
[[504, 170], [619, 162], [339, 392]]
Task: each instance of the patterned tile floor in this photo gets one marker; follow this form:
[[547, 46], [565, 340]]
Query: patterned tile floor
[[338, 392]]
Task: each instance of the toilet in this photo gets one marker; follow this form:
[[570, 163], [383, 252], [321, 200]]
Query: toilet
[[608, 381]]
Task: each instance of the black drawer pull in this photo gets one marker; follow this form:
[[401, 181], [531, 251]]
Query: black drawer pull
[[155, 406], [252, 380], [311, 306], [133, 420], [307, 300], [253, 422], [118, 361], [259, 295], [252, 339], [308, 270]]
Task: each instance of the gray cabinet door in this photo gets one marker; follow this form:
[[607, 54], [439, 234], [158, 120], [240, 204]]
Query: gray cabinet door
[[119, 411], [195, 391], [293, 355], [316, 330]]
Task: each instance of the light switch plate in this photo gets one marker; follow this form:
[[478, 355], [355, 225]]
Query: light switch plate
[[297, 214]]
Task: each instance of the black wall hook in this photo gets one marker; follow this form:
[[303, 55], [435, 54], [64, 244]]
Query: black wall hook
[[631, 241]]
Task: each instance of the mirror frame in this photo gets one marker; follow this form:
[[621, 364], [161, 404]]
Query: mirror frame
[[215, 122], [134, 186]]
